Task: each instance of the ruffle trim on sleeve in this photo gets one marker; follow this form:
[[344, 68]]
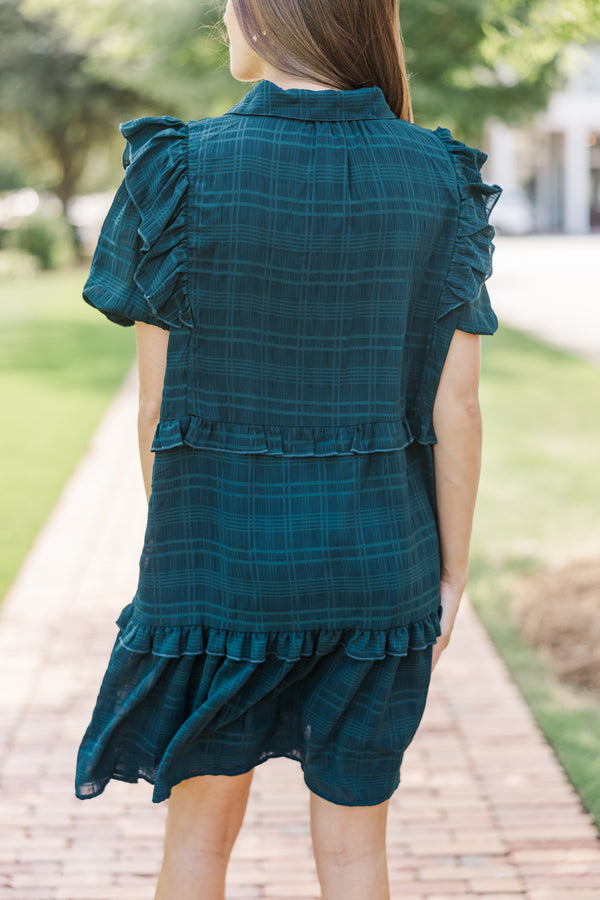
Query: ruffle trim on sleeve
[[177, 641], [281, 440], [155, 161], [471, 263]]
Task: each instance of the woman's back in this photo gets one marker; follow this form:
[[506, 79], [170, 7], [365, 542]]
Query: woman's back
[[298, 248], [312, 255]]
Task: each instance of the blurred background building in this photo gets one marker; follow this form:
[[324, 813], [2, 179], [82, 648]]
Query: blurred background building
[[550, 170]]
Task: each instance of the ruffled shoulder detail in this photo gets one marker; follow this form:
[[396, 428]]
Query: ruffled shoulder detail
[[192, 640], [282, 440], [155, 161], [471, 263]]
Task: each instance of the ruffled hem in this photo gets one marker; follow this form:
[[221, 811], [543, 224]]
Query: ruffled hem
[[155, 161], [471, 263], [280, 440], [192, 640]]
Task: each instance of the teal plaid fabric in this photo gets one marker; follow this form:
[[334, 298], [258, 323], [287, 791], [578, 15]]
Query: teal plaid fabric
[[311, 256]]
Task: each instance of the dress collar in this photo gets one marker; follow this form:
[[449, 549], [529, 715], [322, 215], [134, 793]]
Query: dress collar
[[268, 99]]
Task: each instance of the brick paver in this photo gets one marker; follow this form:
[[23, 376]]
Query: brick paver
[[484, 808]]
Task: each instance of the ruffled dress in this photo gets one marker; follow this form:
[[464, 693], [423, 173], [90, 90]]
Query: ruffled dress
[[311, 256]]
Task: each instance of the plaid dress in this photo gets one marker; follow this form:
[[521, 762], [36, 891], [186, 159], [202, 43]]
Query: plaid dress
[[311, 256]]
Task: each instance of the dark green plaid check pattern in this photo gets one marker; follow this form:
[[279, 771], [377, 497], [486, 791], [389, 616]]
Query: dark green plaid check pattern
[[311, 256]]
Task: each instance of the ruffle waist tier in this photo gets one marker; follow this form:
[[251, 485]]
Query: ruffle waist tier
[[283, 440], [192, 640]]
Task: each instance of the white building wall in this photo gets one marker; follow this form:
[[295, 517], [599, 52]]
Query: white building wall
[[557, 148]]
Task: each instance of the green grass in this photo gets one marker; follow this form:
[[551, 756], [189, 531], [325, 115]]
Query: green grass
[[541, 480], [538, 504], [60, 364]]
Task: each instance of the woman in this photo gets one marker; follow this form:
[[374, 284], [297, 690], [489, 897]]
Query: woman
[[306, 278]]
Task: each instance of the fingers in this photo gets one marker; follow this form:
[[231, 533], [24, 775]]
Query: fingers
[[450, 600], [438, 648]]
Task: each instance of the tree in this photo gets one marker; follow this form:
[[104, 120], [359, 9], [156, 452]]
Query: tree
[[57, 104], [470, 59], [467, 59], [71, 70], [174, 54]]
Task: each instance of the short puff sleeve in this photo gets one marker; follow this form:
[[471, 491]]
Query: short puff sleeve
[[471, 262], [138, 271], [463, 301]]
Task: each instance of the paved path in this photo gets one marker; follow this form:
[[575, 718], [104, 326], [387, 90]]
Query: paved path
[[484, 809], [547, 285]]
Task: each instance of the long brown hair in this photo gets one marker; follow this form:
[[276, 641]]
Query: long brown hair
[[345, 44]]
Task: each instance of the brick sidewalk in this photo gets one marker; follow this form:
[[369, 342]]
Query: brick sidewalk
[[484, 809]]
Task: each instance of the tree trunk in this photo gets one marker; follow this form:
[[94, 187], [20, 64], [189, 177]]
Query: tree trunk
[[71, 169]]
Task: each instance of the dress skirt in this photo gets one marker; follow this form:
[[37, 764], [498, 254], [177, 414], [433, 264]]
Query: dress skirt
[[334, 672], [347, 721]]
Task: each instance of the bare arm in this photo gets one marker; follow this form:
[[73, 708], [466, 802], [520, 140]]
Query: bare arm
[[152, 345], [457, 457]]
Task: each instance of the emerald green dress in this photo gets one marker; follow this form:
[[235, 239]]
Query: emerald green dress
[[311, 256]]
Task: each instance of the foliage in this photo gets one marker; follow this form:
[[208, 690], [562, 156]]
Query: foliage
[[35, 237], [71, 71], [56, 103], [471, 59], [17, 264], [47, 239], [12, 176], [467, 59], [175, 56]]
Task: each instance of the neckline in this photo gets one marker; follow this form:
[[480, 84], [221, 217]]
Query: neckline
[[268, 99]]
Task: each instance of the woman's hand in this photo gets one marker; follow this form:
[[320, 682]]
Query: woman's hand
[[451, 592]]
